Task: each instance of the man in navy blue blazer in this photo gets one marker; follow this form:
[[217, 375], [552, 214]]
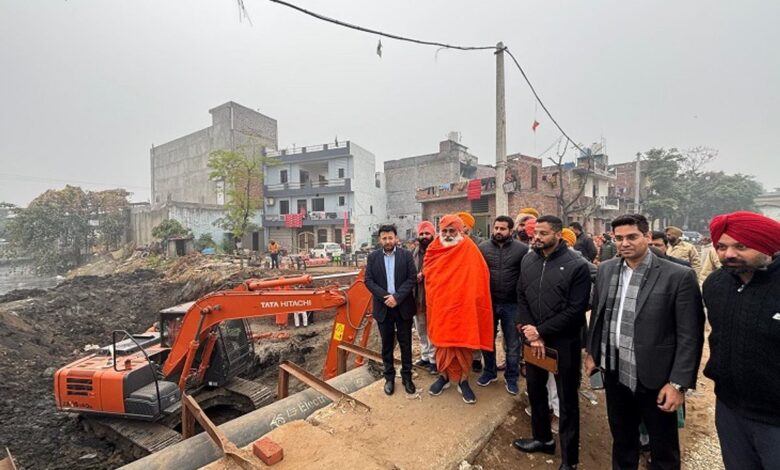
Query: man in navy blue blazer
[[391, 277]]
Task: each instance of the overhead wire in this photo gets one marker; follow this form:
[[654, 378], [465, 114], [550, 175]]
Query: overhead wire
[[440, 45]]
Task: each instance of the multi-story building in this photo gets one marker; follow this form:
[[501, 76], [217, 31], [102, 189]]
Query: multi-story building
[[769, 204], [452, 163], [336, 187], [180, 170]]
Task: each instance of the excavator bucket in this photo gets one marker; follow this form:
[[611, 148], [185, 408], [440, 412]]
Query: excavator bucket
[[8, 462]]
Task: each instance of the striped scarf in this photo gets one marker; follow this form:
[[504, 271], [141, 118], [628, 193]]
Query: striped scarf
[[621, 358]]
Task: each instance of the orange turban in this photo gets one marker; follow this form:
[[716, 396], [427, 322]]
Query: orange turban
[[529, 211], [451, 219], [569, 236], [467, 219], [425, 225], [530, 226], [755, 231]]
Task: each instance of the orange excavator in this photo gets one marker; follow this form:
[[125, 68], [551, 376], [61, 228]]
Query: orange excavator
[[133, 387]]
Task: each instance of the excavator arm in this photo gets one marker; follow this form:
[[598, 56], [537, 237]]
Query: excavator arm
[[254, 299]]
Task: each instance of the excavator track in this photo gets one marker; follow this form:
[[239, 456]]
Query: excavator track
[[256, 394], [133, 438]]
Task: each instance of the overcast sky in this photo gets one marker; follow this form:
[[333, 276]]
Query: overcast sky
[[87, 86]]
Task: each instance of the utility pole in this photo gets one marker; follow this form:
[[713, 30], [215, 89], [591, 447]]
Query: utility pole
[[502, 204]]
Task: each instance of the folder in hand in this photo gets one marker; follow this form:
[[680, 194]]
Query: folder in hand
[[549, 363]]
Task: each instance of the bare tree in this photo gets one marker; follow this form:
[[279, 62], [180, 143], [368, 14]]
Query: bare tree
[[569, 196]]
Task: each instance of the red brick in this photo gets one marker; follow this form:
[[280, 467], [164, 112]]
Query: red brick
[[268, 451]]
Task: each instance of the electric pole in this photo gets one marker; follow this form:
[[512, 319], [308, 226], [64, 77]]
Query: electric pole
[[502, 204]]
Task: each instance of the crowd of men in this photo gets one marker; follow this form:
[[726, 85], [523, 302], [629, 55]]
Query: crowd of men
[[535, 281]]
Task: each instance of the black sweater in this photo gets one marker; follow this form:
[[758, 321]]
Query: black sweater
[[745, 342]]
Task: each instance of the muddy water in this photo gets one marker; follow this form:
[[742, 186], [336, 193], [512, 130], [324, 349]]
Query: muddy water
[[15, 275]]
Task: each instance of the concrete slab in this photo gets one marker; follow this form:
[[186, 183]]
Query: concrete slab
[[400, 432]]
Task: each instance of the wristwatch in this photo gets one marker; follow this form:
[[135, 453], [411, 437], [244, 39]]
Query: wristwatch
[[678, 387]]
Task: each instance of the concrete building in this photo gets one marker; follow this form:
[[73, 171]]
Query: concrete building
[[333, 185], [180, 170], [451, 164], [523, 186], [769, 204]]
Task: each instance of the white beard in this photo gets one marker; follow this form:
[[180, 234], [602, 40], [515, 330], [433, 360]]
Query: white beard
[[453, 242]]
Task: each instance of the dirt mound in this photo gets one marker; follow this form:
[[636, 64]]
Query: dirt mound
[[45, 330]]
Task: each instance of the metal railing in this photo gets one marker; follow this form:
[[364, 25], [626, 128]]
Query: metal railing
[[328, 183]]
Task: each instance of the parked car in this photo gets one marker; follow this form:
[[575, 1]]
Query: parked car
[[693, 237], [329, 250]]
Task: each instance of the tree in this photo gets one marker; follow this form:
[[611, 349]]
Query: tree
[[241, 174], [719, 193], [170, 228], [59, 227], [570, 189], [664, 191]]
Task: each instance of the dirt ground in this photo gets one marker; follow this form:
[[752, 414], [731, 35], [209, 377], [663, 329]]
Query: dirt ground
[[698, 439], [41, 330]]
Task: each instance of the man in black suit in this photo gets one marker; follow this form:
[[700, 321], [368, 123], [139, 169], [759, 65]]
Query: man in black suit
[[646, 335], [391, 278]]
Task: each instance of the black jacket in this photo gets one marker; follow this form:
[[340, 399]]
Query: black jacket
[[553, 293], [503, 261], [745, 342], [585, 245], [405, 280], [669, 326]]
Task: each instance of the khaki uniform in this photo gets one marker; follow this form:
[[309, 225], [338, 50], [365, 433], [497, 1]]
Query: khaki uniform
[[686, 251], [710, 264]]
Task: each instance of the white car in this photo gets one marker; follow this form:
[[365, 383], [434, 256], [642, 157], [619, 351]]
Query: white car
[[326, 249]]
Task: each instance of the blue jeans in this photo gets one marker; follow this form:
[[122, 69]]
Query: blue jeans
[[505, 313]]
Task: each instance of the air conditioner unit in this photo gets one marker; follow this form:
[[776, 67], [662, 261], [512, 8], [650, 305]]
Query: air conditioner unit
[[269, 201]]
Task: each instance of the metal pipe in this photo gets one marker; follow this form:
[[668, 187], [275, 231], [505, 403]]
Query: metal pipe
[[199, 450], [334, 276]]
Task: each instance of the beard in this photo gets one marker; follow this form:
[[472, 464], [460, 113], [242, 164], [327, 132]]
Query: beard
[[541, 245], [499, 237], [738, 266], [449, 241], [424, 242]]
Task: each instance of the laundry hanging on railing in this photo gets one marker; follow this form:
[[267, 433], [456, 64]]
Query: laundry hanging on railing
[[474, 190]]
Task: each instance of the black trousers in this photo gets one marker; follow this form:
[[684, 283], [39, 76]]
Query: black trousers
[[625, 410], [746, 443], [391, 327], [567, 382], [274, 260]]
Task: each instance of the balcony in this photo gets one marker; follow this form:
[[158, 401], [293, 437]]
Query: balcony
[[309, 188], [311, 219], [453, 190], [607, 203]]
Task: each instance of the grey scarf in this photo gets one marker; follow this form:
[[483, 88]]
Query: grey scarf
[[621, 357]]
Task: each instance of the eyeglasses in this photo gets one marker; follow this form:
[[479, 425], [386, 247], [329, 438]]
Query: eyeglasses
[[449, 231], [632, 238]]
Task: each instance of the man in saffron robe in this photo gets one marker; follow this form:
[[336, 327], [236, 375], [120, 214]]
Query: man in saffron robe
[[460, 320]]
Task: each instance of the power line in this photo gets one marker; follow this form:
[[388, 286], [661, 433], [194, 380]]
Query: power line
[[380, 33], [440, 45]]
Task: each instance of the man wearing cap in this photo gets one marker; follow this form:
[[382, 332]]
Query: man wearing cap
[[679, 248], [743, 307], [425, 235], [457, 294], [526, 214]]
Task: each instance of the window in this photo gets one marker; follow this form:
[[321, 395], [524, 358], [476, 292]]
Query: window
[[337, 235], [480, 206], [342, 201], [318, 204], [378, 183], [371, 209], [341, 172], [283, 176], [322, 235], [534, 176], [304, 176], [302, 206], [284, 207], [322, 178]]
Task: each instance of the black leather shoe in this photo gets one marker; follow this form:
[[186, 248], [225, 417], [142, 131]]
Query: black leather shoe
[[567, 467], [389, 387], [409, 387], [532, 445]]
